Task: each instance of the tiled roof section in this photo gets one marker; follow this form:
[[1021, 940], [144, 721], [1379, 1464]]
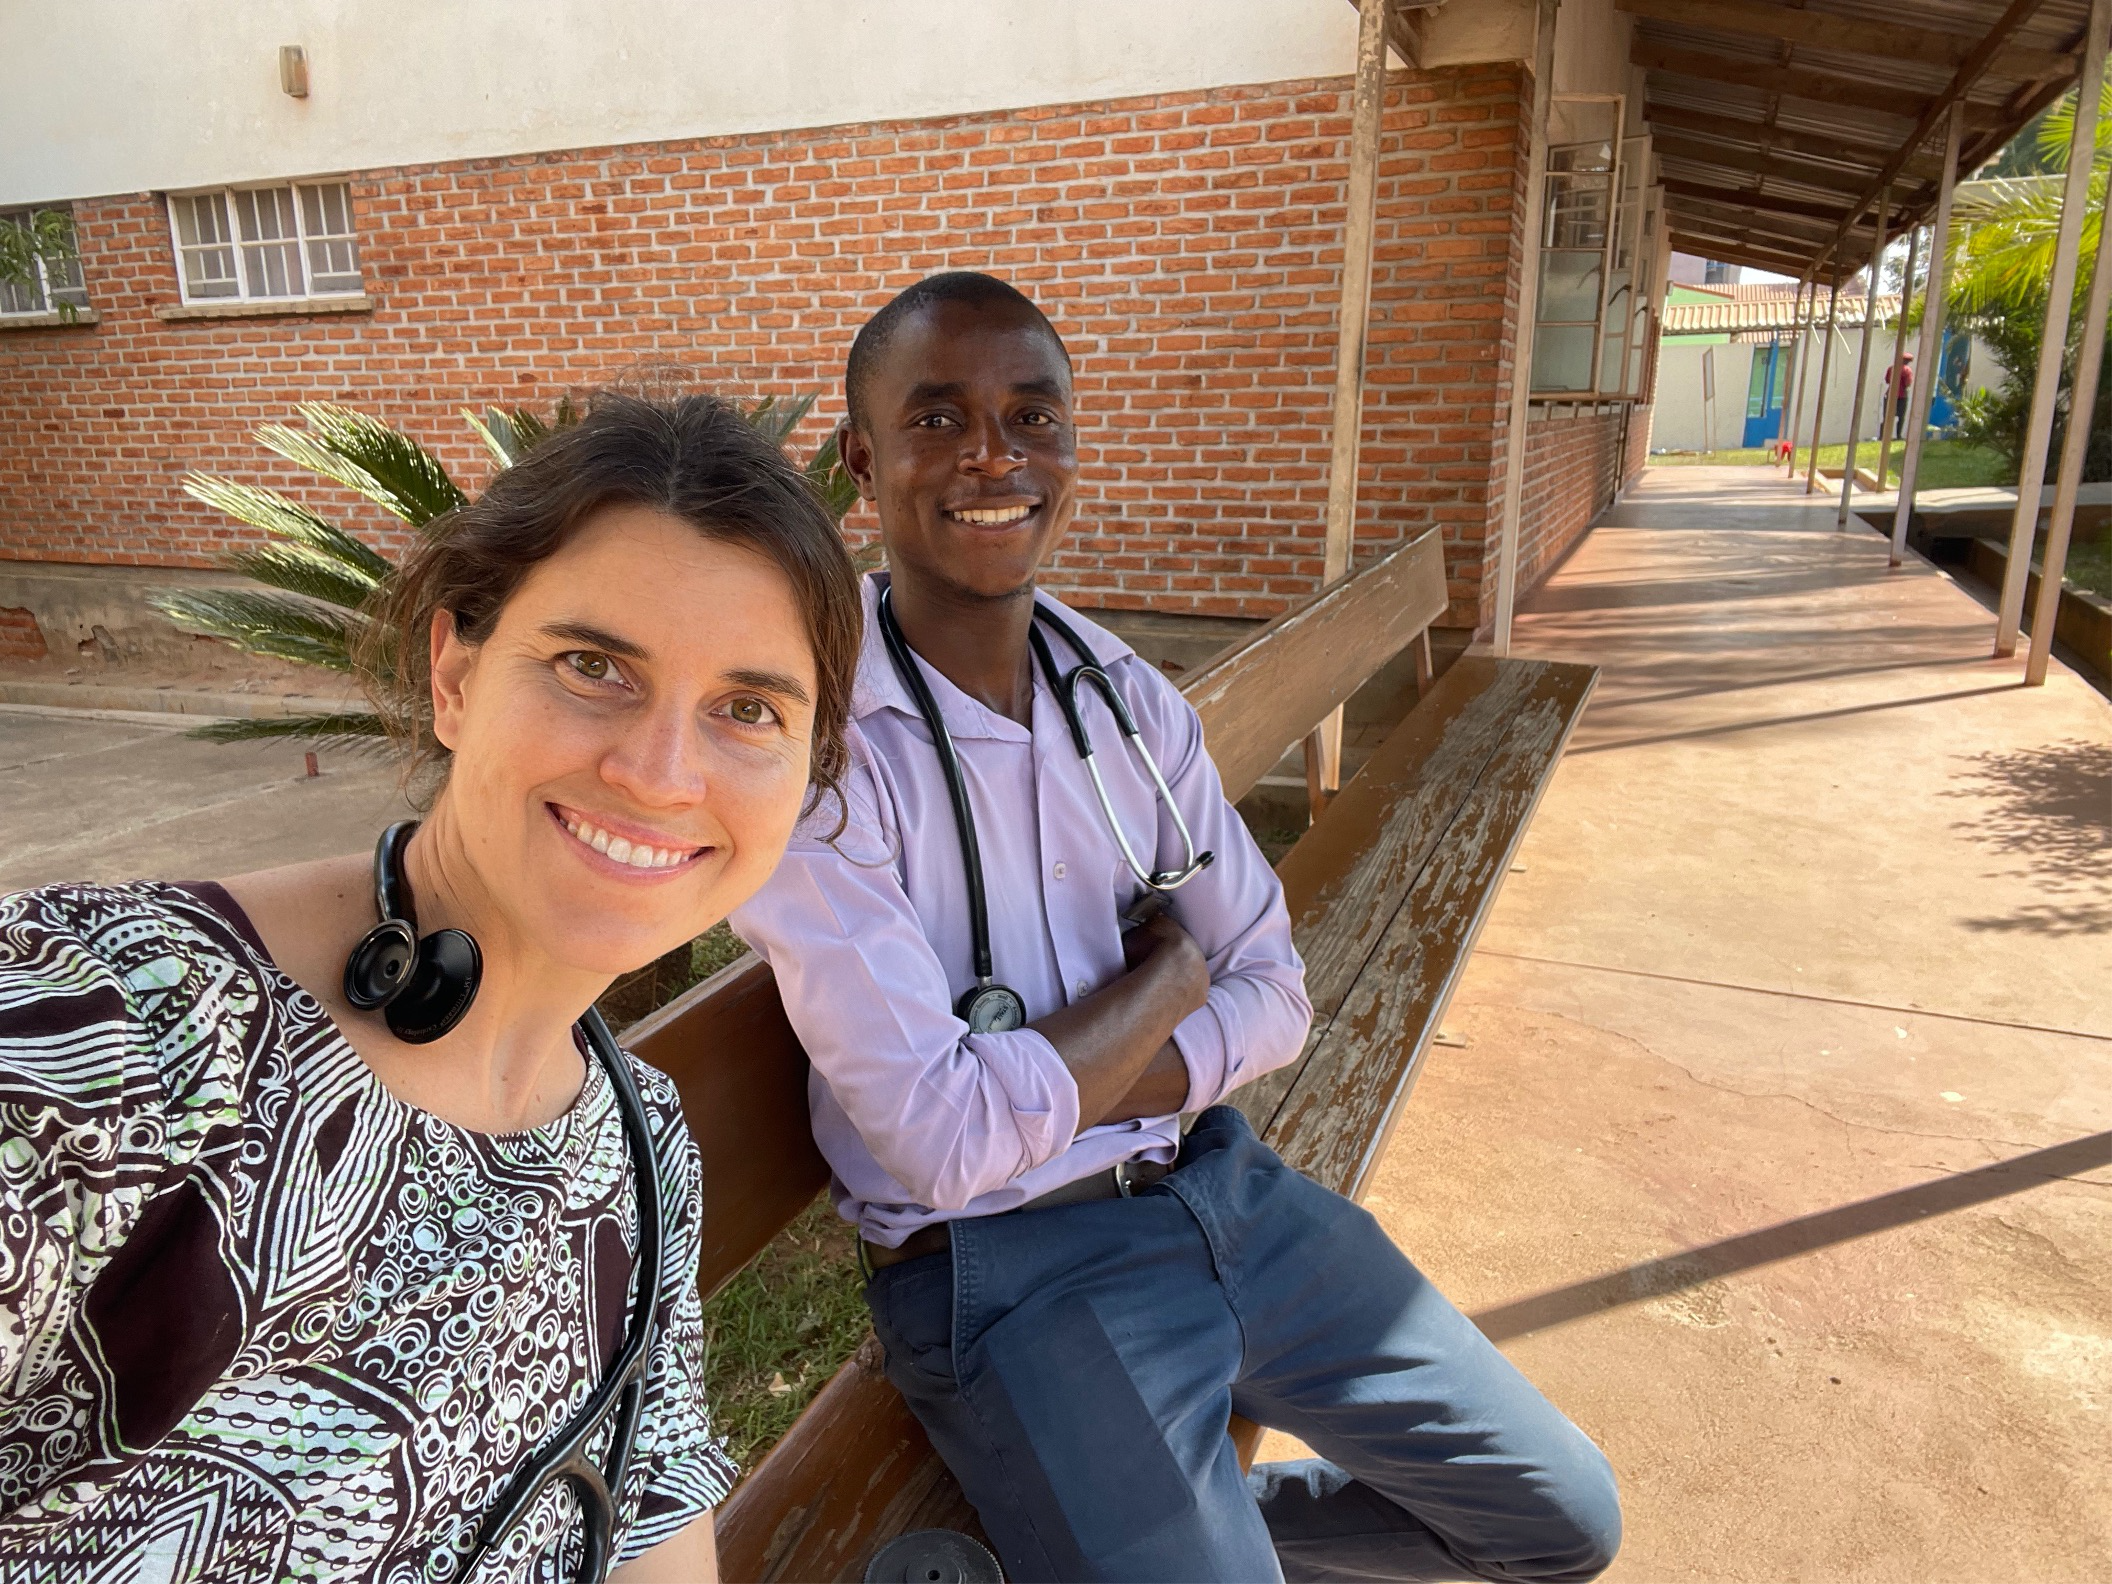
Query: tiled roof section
[[1765, 313]]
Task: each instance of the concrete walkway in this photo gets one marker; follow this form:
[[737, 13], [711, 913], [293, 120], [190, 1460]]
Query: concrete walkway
[[1817, 910]]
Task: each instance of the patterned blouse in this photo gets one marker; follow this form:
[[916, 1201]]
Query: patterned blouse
[[261, 1320]]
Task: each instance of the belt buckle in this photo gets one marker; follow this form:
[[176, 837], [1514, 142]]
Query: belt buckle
[[1122, 1179]]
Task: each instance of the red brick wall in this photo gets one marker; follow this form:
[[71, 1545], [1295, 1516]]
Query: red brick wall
[[20, 636], [1573, 468], [1188, 246]]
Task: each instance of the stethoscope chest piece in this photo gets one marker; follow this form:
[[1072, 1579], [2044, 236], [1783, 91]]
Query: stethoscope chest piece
[[421, 984], [991, 1009]]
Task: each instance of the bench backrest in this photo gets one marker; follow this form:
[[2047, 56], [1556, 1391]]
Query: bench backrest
[[726, 1044]]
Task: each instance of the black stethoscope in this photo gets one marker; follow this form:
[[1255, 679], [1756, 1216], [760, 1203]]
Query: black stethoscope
[[424, 986], [986, 1006]]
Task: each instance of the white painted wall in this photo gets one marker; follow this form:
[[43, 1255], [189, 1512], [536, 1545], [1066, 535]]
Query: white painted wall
[[108, 96], [1677, 424]]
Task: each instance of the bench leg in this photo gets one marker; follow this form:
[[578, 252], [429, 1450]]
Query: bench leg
[[1424, 669], [1317, 780]]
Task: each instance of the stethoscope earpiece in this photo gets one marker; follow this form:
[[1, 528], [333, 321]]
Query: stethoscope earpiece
[[422, 985]]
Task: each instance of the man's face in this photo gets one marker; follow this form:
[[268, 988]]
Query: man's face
[[968, 450]]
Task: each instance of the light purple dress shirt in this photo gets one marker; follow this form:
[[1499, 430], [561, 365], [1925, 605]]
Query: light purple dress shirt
[[920, 1119]]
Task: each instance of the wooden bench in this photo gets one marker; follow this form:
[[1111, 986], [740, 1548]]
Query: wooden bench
[[1387, 892]]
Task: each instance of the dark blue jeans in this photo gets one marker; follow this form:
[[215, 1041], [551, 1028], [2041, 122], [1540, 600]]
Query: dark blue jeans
[[1075, 1368]]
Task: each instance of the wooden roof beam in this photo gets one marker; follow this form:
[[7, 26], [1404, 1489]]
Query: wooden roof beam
[[1727, 251], [1761, 233], [1827, 178], [1894, 41], [1795, 82], [1799, 233], [1829, 215], [1863, 156]]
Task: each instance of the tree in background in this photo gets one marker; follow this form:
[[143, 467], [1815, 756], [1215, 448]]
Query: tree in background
[[39, 265], [2001, 261]]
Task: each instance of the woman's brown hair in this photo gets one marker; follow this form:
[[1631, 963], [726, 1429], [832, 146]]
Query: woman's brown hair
[[695, 458]]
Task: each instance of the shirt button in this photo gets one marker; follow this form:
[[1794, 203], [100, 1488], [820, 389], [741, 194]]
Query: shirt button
[[1057, 871], [1085, 987]]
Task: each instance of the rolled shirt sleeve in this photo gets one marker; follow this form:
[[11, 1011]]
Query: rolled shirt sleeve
[[947, 1115]]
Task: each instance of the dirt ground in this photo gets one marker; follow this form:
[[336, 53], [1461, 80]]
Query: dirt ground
[[106, 795]]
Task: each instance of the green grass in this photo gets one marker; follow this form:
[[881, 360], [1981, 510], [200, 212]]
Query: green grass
[[2089, 564], [1945, 464], [775, 1334]]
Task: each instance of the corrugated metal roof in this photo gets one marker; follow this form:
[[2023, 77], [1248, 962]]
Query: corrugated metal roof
[[1766, 313], [1773, 122]]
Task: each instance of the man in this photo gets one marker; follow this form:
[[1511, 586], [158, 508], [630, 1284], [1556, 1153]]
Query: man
[[1072, 1295], [1902, 392]]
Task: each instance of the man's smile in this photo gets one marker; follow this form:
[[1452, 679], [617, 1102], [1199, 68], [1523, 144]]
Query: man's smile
[[992, 516]]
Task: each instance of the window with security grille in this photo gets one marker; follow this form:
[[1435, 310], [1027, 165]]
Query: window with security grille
[[265, 244], [54, 282]]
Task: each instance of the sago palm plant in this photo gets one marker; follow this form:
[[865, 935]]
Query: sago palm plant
[[315, 580], [2001, 261], [2002, 257]]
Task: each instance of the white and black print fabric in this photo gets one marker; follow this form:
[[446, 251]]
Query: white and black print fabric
[[261, 1320]]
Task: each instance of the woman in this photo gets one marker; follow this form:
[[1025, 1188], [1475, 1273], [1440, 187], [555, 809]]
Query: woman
[[293, 1289]]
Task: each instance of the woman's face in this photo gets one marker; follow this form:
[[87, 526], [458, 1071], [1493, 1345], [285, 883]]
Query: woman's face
[[631, 742]]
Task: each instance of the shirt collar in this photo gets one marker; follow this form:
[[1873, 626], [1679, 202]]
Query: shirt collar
[[880, 686]]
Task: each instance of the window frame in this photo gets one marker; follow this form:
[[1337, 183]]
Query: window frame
[[1630, 213], [49, 298], [296, 247]]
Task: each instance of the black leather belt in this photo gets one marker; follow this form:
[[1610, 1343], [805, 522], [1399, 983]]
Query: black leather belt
[[1117, 1182]]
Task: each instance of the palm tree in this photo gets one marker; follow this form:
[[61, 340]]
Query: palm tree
[[2003, 254], [316, 581], [2001, 261]]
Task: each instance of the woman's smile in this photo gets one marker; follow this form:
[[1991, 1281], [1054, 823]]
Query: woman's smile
[[626, 850]]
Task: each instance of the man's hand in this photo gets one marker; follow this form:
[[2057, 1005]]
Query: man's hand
[[1118, 1041]]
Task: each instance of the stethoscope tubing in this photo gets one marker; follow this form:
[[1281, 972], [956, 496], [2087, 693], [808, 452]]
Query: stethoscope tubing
[[619, 1400], [1088, 672], [956, 785]]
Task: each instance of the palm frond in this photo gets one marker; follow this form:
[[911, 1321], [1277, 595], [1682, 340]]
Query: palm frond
[[299, 570], [286, 519], [511, 435], [349, 731], [284, 626], [367, 456], [496, 430], [831, 479], [2058, 127], [2002, 261], [775, 420]]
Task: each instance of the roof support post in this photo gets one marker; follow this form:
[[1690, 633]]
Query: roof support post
[[1928, 351], [2053, 348], [1785, 434], [1818, 408], [1528, 313], [1361, 194], [2082, 395], [1862, 360], [1888, 419], [1800, 376]]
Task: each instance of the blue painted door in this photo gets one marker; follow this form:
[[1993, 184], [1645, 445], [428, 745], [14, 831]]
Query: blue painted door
[[1764, 392]]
